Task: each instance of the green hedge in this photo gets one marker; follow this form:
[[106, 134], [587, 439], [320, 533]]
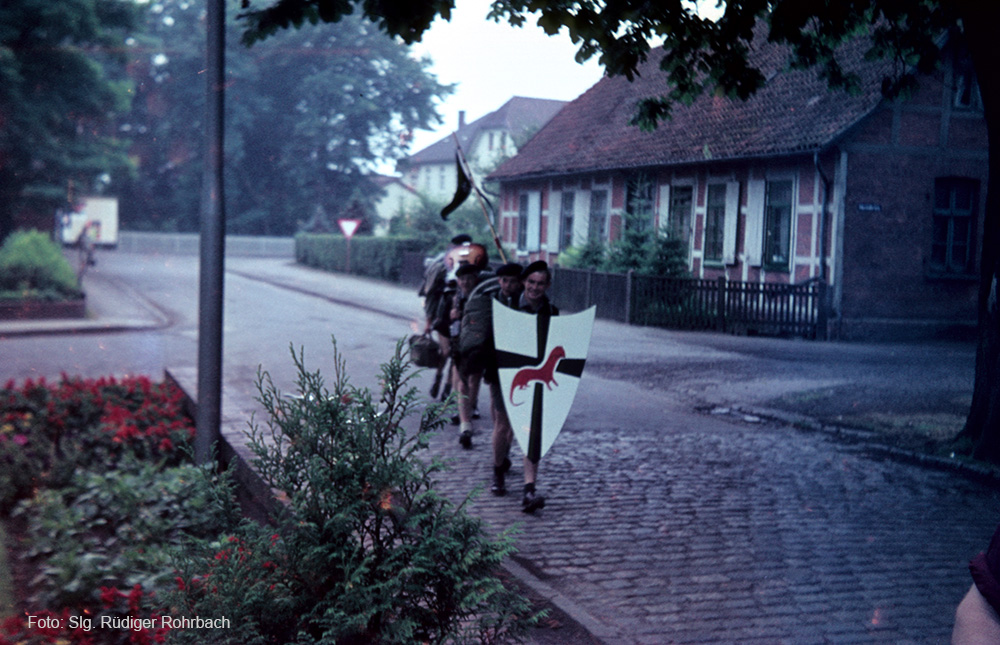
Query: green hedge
[[33, 266], [376, 257]]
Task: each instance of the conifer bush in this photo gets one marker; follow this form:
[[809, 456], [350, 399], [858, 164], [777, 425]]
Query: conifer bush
[[366, 550]]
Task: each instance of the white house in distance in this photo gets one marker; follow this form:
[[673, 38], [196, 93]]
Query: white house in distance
[[485, 142], [398, 198]]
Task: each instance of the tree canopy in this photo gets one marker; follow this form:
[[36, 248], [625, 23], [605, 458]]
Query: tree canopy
[[60, 87], [309, 113]]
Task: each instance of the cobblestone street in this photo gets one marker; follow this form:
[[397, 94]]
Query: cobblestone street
[[696, 529]]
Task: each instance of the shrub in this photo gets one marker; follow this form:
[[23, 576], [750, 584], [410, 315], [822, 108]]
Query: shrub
[[368, 552], [376, 257], [647, 252], [589, 256], [32, 265], [120, 527], [666, 256]]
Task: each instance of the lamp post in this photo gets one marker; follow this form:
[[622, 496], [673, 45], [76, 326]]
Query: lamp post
[[208, 421]]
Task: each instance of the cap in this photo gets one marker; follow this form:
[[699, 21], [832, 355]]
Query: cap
[[510, 269], [539, 265], [461, 239]]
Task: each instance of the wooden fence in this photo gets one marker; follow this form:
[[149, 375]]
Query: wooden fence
[[744, 308]]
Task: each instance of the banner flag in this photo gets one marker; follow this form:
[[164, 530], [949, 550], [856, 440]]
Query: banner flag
[[540, 361], [462, 191]]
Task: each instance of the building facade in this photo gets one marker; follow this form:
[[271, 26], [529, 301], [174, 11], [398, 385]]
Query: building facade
[[882, 200]]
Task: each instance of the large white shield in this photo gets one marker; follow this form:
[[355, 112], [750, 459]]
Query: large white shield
[[540, 360]]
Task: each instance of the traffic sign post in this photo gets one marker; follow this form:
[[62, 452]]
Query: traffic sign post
[[348, 227]]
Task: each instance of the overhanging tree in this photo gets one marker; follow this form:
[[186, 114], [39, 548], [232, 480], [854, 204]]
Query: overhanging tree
[[309, 115], [61, 83], [712, 55]]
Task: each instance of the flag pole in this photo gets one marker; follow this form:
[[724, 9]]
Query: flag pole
[[479, 197]]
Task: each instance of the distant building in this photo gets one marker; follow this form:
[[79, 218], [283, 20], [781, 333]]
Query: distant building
[[399, 200], [485, 142], [881, 200]]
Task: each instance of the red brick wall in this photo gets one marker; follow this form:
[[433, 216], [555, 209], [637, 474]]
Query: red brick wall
[[885, 252]]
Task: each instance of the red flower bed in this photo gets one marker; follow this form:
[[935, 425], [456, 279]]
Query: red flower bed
[[49, 432], [47, 429]]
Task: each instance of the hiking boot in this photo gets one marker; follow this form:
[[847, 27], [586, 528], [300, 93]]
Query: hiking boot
[[531, 502], [499, 487], [465, 439]]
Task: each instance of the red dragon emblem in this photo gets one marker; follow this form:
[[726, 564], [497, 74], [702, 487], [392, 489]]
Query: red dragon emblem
[[545, 373]]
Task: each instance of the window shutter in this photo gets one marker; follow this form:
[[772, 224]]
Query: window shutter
[[729, 226], [663, 212], [554, 221], [534, 232], [754, 238]]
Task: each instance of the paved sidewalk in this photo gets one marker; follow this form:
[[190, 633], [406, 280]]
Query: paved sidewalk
[[682, 527]]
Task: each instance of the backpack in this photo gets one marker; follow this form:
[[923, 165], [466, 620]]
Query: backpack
[[475, 341], [435, 277]]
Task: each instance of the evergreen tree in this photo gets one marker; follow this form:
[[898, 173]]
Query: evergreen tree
[[61, 82]]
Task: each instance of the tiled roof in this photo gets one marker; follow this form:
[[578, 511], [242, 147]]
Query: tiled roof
[[520, 116], [793, 112]]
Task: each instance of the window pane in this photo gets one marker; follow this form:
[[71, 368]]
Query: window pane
[[566, 224], [715, 221], [778, 224], [960, 230], [679, 217], [963, 196], [779, 192], [598, 213], [959, 257], [953, 224]]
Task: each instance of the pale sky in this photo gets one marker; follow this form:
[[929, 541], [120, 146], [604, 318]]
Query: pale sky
[[491, 62]]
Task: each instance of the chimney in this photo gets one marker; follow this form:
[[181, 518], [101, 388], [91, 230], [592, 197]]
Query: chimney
[[461, 119]]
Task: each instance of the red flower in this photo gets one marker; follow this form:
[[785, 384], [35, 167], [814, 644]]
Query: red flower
[[110, 595]]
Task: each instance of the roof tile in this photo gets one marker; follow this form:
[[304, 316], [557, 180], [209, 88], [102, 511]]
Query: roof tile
[[793, 112]]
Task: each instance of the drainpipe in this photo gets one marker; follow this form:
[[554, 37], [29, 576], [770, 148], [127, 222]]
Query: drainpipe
[[824, 291], [822, 216]]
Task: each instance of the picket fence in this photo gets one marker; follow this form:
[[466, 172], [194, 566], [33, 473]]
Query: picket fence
[[744, 308]]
